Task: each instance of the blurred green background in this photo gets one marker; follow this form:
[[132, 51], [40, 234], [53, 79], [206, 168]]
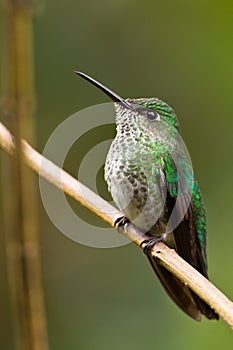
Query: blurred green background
[[182, 52]]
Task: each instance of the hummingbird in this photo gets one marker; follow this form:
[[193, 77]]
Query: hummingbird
[[150, 177]]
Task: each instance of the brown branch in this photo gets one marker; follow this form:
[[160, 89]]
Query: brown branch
[[19, 193], [164, 255]]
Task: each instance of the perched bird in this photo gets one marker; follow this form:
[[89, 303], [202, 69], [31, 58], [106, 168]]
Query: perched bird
[[150, 177]]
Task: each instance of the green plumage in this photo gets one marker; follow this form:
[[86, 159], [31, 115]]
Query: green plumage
[[150, 176], [172, 176], [156, 188]]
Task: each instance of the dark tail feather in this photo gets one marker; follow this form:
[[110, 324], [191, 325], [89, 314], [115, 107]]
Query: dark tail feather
[[178, 292], [205, 308], [182, 296], [188, 247]]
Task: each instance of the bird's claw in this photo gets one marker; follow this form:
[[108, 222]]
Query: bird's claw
[[148, 244], [121, 222]]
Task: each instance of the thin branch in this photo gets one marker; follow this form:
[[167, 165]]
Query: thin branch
[[163, 255], [19, 193]]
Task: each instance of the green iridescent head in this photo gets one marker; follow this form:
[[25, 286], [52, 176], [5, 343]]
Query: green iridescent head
[[161, 108]]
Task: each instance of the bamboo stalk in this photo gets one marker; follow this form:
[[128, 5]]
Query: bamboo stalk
[[20, 195], [163, 255]]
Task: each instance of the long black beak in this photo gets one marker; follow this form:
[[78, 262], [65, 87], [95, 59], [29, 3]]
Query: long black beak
[[114, 97]]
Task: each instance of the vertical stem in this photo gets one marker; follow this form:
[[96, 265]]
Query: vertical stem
[[19, 187]]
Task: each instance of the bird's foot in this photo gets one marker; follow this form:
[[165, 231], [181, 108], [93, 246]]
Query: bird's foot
[[148, 244], [121, 222]]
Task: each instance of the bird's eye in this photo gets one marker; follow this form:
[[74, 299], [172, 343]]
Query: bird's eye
[[151, 115]]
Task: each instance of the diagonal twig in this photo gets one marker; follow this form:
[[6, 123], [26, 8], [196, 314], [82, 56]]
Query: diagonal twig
[[163, 255]]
